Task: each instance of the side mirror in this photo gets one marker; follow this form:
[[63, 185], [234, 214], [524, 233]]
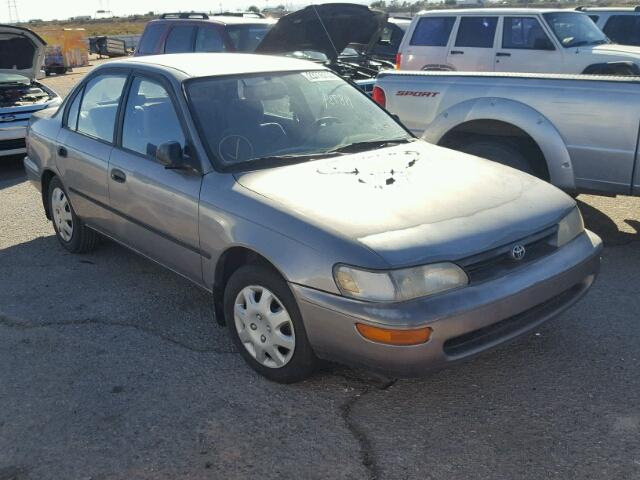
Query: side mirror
[[169, 154]]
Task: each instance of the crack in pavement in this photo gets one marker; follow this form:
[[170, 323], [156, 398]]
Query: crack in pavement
[[11, 323], [367, 455]]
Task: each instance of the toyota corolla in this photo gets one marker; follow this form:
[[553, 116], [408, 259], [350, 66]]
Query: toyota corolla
[[320, 226]]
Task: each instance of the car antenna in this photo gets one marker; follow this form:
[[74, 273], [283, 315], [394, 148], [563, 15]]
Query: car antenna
[[325, 30]]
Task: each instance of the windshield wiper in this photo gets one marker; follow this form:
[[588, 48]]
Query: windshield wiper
[[364, 146], [281, 159]]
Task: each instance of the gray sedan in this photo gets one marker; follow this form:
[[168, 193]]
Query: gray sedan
[[321, 227]]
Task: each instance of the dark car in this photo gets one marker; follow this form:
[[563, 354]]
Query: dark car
[[201, 32]]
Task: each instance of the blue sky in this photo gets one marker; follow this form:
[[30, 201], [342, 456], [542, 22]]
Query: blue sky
[[61, 9]]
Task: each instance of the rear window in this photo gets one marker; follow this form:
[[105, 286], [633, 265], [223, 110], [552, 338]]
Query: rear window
[[246, 38], [433, 31], [180, 40], [150, 38], [476, 32], [624, 29]]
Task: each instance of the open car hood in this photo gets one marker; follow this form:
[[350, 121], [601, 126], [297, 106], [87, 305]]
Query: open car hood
[[21, 51], [327, 28]]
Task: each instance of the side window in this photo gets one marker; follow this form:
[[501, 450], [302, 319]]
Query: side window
[[180, 40], [209, 40], [149, 118], [72, 113], [476, 32], [150, 38], [623, 29], [433, 31], [524, 33], [100, 106]]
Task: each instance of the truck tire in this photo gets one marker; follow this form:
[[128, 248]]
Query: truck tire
[[498, 151]]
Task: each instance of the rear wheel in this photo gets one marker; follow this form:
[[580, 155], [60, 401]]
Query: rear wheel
[[266, 326], [70, 230], [500, 151]]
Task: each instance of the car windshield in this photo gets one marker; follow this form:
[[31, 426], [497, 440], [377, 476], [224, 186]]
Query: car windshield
[[247, 37], [575, 29], [256, 120]]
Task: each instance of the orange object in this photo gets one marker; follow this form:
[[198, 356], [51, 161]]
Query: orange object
[[398, 59], [390, 336]]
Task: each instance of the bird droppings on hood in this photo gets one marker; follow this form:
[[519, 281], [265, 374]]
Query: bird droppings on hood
[[376, 176]]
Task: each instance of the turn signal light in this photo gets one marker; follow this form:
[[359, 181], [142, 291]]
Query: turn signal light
[[398, 60], [390, 336], [379, 97]]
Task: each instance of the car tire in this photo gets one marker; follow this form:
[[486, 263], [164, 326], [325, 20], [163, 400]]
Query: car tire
[[266, 326], [500, 152], [70, 230]]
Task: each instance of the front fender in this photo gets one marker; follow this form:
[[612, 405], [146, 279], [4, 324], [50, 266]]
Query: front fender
[[535, 124]]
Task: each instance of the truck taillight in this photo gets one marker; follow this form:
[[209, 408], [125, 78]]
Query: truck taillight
[[379, 97], [398, 60]]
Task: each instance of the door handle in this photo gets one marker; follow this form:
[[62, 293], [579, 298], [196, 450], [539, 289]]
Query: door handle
[[503, 54], [62, 152], [457, 52], [118, 176]]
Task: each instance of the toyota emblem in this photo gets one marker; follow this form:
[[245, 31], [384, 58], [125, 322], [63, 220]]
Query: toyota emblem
[[517, 252]]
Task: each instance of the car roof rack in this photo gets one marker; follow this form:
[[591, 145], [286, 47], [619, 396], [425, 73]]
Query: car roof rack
[[239, 14], [581, 8], [185, 15]]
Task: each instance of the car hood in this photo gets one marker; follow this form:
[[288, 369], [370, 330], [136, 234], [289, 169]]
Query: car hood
[[616, 49], [327, 28], [414, 203], [21, 51]]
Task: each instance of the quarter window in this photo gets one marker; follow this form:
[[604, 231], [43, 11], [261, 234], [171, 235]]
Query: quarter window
[[476, 32], [209, 40], [72, 114], [180, 40], [524, 33], [433, 31], [100, 106], [149, 119]]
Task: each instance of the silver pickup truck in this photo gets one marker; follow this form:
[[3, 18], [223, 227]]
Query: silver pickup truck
[[581, 133]]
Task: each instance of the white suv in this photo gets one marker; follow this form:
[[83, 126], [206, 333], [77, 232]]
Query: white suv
[[513, 40]]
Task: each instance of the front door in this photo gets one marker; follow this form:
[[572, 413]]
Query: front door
[[524, 46], [473, 48], [155, 209]]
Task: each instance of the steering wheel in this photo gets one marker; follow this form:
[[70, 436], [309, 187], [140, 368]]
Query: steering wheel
[[326, 121], [235, 148]]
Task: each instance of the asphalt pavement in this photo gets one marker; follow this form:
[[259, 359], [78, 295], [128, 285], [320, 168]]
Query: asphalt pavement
[[112, 368]]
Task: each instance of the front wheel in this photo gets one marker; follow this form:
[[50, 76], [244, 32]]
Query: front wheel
[[266, 326], [70, 230]]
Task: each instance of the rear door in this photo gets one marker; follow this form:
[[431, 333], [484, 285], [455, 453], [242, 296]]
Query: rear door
[[85, 143], [427, 45], [473, 48], [155, 209], [525, 46]]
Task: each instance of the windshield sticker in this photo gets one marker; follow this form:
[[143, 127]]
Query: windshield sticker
[[337, 100], [319, 76]]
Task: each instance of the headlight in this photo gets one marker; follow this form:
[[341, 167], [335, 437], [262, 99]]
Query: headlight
[[398, 285], [570, 227]]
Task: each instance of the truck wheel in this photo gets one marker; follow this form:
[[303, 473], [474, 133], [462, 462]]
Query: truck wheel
[[266, 326], [498, 151], [72, 233]]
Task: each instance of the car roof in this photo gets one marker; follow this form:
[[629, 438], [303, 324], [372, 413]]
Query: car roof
[[493, 11], [219, 19], [610, 9], [218, 64]]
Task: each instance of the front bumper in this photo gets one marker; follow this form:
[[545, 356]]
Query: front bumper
[[12, 138], [464, 322]]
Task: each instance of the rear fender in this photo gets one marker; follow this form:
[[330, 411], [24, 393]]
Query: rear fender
[[536, 125]]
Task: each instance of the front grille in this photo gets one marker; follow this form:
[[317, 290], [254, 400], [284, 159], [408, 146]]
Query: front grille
[[12, 144], [498, 262], [477, 339]]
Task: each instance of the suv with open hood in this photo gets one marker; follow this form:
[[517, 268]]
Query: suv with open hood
[[21, 56]]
